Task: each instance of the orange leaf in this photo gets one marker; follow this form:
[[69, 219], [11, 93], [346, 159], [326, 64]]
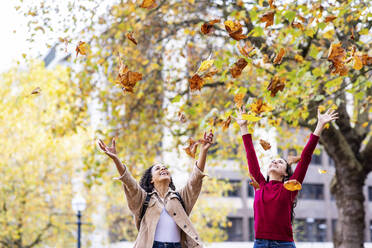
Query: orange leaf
[[235, 30], [196, 82], [246, 49], [148, 4], [238, 99], [259, 107], [330, 18], [131, 38], [358, 64], [81, 48], [297, 25], [238, 67], [226, 123], [366, 60], [191, 149], [337, 56], [272, 5], [275, 85], [268, 18], [279, 57], [352, 34], [206, 28], [126, 78], [265, 145], [292, 185]]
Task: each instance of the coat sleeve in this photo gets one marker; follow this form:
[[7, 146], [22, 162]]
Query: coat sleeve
[[253, 166], [191, 191]]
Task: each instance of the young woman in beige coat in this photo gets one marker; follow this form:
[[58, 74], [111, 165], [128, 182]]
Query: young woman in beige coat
[[165, 221]]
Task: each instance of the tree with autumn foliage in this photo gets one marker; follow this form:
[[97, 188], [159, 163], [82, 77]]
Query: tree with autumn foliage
[[42, 147], [198, 59]]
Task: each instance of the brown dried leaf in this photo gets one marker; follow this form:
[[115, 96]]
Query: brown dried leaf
[[238, 67], [265, 145], [277, 83], [268, 18], [279, 57], [131, 38], [207, 27]]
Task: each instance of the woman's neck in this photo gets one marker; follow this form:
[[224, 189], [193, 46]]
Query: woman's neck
[[162, 188], [276, 177]]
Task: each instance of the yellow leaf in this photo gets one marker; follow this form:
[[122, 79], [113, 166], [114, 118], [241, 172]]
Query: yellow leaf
[[365, 124], [321, 171], [357, 63], [205, 65], [251, 118]]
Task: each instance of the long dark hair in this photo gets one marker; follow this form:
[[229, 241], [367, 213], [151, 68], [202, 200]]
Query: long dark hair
[[146, 183], [289, 172]]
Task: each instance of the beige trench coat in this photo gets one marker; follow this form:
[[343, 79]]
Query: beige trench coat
[[136, 196]]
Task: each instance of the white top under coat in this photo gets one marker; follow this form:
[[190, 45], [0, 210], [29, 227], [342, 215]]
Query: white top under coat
[[167, 229]]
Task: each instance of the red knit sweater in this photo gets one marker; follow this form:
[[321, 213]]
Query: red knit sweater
[[272, 202]]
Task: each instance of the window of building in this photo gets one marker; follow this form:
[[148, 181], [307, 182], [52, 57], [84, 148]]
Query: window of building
[[334, 227], [370, 229], [316, 159], [250, 189], [370, 193], [251, 229], [236, 188], [234, 229], [331, 162], [310, 230], [312, 191]]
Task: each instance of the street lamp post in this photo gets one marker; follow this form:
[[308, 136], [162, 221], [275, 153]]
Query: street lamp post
[[78, 205]]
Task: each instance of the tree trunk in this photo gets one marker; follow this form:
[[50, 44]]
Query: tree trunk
[[347, 187]]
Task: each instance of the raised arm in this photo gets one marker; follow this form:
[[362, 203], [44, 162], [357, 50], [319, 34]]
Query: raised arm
[[253, 166], [134, 193], [307, 152], [190, 192]]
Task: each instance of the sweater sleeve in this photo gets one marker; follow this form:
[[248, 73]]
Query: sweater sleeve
[[306, 155], [253, 166]]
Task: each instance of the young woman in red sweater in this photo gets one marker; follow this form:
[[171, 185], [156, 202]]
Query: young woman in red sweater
[[273, 203]]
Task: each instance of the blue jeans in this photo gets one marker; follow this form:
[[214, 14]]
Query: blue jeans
[[265, 243], [166, 245]]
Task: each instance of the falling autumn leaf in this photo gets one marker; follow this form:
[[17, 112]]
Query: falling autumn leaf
[[206, 28], [352, 34], [148, 4], [215, 121], [238, 67], [298, 25], [321, 171], [205, 65], [126, 78], [181, 117], [191, 149], [358, 64], [196, 82], [131, 38], [265, 145], [36, 91], [235, 30], [293, 159], [329, 18], [81, 48], [299, 58], [226, 123], [250, 118], [279, 57], [272, 5], [276, 84], [246, 50], [337, 56], [366, 60], [268, 18], [238, 99], [292, 185], [259, 107]]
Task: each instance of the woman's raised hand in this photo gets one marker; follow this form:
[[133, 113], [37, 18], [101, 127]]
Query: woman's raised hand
[[207, 140], [328, 116], [109, 150], [239, 118]]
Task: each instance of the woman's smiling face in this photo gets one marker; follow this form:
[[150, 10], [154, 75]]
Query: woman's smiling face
[[278, 166], [160, 173]]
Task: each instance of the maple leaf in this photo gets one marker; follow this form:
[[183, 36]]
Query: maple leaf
[[226, 123], [235, 30], [276, 84], [131, 38], [292, 185], [238, 99], [246, 50], [238, 67], [268, 18], [337, 56], [279, 57], [81, 48], [207, 27], [265, 145], [259, 107], [148, 4], [191, 149], [126, 78]]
